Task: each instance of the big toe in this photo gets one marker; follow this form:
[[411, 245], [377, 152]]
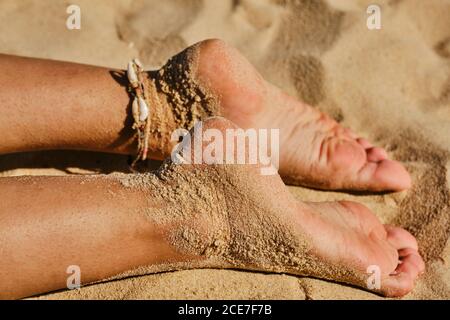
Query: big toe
[[385, 175]]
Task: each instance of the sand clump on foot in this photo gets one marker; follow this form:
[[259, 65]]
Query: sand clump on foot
[[177, 100], [198, 204]]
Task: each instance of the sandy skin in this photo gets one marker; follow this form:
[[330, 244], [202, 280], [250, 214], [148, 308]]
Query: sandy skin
[[189, 216], [315, 150], [83, 107], [88, 109]]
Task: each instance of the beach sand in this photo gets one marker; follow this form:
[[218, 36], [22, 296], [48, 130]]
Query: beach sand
[[390, 85]]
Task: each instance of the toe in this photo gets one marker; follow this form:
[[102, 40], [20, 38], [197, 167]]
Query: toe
[[413, 257], [397, 285], [400, 238], [410, 264], [384, 175], [402, 280], [376, 154], [366, 169]]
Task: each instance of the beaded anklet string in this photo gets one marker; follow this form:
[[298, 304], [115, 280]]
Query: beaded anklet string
[[140, 109]]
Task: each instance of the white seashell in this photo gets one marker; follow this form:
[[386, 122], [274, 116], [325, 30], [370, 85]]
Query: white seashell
[[138, 63], [131, 73], [143, 110], [135, 110]]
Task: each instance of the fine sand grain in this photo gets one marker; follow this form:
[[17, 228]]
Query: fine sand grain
[[390, 85]]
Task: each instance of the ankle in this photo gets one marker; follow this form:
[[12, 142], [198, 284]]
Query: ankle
[[178, 101]]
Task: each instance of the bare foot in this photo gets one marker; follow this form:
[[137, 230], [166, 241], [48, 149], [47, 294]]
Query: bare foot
[[235, 217], [315, 150]]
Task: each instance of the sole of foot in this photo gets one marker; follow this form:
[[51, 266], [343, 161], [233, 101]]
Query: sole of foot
[[315, 151]]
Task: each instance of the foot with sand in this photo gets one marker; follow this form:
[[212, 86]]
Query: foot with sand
[[189, 216], [235, 217], [315, 150], [88, 111]]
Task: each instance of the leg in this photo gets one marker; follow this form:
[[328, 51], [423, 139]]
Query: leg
[[189, 216], [51, 105], [94, 222], [57, 105]]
